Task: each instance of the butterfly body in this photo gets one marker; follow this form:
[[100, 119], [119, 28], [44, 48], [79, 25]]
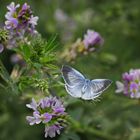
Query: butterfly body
[[87, 82], [80, 87]]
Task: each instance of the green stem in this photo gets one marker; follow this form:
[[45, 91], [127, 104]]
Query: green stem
[[139, 101], [82, 129], [6, 77], [98, 133]]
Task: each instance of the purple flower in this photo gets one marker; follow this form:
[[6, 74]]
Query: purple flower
[[92, 38], [131, 84], [1, 48], [33, 20], [133, 95], [49, 111], [25, 7], [12, 23], [24, 14], [35, 119], [52, 130], [9, 15], [12, 11], [46, 117], [33, 105], [134, 87], [59, 110], [12, 7], [127, 77]]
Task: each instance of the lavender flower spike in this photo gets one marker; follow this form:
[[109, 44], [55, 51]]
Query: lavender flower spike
[[20, 23]]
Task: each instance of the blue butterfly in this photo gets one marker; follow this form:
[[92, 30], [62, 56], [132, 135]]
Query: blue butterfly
[[80, 87]]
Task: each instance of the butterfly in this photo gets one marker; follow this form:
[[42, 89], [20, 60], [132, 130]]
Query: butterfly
[[80, 87]]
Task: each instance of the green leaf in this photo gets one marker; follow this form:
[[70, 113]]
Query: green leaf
[[26, 51], [51, 44], [47, 58], [3, 73], [51, 66]]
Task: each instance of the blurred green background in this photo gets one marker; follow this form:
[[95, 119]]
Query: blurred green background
[[115, 116]]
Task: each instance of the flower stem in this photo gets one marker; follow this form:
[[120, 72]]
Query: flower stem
[[82, 129]]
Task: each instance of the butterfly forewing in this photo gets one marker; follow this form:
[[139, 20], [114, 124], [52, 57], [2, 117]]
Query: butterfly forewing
[[71, 76]]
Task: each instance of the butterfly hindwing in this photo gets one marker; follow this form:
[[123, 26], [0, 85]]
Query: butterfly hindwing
[[75, 91], [99, 85], [95, 88]]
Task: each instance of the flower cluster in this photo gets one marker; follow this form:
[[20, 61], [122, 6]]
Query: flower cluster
[[131, 84], [91, 42], [51, 112], [91, 39], [19, 22]]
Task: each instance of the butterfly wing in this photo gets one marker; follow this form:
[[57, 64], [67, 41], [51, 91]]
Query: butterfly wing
[[74, 81], [71, 76], [95, 88]]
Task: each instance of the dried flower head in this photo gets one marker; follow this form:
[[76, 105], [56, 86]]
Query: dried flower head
[[49, 111], [92, 41], [131, 84]]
